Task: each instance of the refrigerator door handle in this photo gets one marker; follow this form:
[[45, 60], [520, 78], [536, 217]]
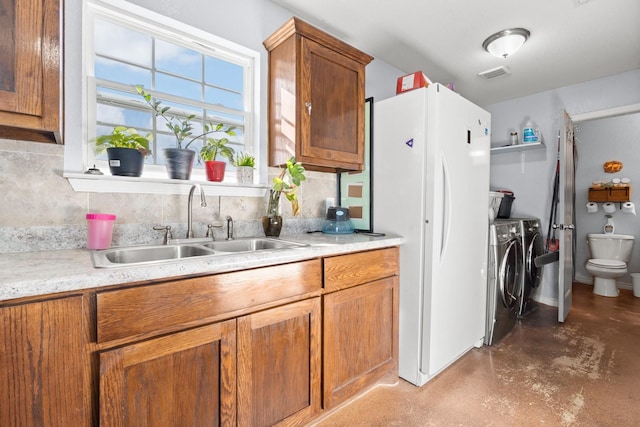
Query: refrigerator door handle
[[446, 207]]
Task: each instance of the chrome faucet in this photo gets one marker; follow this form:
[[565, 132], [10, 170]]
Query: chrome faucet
[[168, 235], [203, 203], [229, 227]]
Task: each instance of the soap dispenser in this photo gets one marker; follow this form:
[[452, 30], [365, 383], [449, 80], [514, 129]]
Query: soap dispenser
[[609, 227]]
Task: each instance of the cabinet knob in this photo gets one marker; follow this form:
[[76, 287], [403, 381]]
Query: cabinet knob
[[308, 105]]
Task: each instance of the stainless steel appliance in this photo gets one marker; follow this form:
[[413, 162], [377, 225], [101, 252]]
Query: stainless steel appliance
[[532, 247], [504, 282], [431, 165]]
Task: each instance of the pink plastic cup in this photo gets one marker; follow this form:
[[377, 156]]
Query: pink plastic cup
[[99, 230]]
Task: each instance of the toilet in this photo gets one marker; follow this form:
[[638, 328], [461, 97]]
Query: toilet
[[610, 254]]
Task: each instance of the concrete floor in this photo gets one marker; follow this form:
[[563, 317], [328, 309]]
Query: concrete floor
[[584, 372]]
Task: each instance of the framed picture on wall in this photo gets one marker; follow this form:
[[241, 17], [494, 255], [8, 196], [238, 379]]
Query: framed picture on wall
[[355, 189]]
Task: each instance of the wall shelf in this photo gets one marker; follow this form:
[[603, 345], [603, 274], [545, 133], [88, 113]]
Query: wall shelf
[[615, 194], [518, 147]]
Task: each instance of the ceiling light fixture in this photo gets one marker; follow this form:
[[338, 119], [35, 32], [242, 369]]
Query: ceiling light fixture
[[506, 42]]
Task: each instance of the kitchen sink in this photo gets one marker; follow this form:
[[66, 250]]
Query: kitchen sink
[[154, 254], [252, 245], [147, 254]]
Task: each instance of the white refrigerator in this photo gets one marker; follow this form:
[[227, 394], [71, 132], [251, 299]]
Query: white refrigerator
[[431, 186]]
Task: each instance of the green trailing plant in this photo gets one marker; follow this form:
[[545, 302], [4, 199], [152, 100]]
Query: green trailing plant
[[218, 146], [245, 159], [124, 137], [287, 183], [182, 128]]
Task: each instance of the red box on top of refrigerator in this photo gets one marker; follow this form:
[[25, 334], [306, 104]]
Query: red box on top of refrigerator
[[412, 81]]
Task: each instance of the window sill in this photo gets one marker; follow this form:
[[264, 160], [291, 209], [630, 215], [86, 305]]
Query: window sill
[[121, 184]]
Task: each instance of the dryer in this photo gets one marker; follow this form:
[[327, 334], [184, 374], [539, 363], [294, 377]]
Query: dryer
[[504, 279], [532, 247]]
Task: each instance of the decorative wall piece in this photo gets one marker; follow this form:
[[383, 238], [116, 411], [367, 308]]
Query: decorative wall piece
[[355, 189], [612, 166]]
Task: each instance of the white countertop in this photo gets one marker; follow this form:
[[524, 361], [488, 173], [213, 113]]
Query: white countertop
[[27, 274]]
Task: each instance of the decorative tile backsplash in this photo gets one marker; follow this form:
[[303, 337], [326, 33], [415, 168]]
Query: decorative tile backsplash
[[40, 210]]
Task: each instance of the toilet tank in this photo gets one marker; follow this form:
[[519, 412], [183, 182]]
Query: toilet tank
[[610, 246]]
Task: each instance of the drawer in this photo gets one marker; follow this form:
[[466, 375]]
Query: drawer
[[168, 306], [345, 271], [620, 194], [598, 195]]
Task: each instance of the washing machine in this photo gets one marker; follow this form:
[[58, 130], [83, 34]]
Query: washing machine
[[504, 279], [532, 246]]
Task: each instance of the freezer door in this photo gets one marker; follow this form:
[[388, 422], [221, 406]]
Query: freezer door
[[456, 206], [398, 197]]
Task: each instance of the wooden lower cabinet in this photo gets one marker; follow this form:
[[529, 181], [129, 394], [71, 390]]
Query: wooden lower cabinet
[[270, 346], [189, 378], [360, 339], [43, 364], [360, 323], [182, 379], [279, 365]]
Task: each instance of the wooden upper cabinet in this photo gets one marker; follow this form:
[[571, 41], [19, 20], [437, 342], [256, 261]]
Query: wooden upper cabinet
[[316, 99], [30, 70]]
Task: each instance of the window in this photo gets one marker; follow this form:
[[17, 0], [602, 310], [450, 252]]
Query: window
[[188, 70]]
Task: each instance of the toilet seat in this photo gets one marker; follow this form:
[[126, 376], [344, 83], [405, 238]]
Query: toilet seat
[[607, 263]]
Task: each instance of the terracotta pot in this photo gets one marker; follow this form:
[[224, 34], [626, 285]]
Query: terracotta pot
[[179, 162], [215, 170], [272, 225]]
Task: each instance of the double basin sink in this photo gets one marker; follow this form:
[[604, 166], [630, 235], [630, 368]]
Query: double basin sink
[[193, 248]]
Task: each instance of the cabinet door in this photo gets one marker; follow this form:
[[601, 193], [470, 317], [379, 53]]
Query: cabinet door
[[279, 365], [30, 99], [182, 379], [360, 338], [332, 108], [43, 364]]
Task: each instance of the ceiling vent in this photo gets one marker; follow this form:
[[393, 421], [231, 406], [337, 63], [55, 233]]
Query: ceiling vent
[[494, 73]]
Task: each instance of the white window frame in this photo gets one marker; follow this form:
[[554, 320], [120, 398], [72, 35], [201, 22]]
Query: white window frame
[[78, 152]]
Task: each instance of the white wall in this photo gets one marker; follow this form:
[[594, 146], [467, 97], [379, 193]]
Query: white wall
[[529, 174]]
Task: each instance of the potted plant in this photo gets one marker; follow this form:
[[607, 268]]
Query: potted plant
[[179, 160], [213, 147], [245, 163], [126, 150], [286, 183]]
